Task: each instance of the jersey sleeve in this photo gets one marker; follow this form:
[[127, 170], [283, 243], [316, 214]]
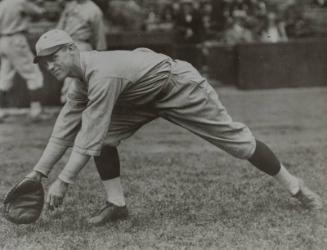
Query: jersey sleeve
[[103, 94], [69, 119]]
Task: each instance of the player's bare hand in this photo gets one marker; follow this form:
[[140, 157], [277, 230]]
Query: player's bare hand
[[56, 194]]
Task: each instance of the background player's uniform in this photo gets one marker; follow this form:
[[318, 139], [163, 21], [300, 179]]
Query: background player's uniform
[[84, 23], [122, 90], [16, 55]]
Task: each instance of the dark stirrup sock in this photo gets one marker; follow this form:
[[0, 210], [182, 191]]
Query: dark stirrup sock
[[3, 99], [107, 163], [265, 160]]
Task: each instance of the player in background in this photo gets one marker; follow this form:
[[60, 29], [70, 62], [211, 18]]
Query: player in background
[[16, 55], [83, 21], [119, 92]]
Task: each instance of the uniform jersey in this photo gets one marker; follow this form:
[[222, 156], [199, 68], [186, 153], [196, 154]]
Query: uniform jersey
[[14, 15], [84, 23], [135, 77], [122, 90], [16, 55]]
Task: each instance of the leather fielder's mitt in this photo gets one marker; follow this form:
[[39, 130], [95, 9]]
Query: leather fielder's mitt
[[23, 204]]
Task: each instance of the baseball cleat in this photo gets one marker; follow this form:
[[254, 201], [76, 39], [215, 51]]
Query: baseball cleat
[[108, 213], [308, 198]]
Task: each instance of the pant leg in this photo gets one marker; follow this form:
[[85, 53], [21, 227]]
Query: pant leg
[[7, 70], [20, 56], [126, 121], [193, 104]]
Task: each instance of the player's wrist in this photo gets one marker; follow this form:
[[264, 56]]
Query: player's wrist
[[42, 175], [35, 175], [64, 180]]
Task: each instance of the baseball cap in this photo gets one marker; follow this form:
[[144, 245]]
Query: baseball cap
[[50, 42]]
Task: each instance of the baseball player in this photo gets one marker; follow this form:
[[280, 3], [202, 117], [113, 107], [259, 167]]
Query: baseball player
[[16, 55], [83, 21], [118, 92]]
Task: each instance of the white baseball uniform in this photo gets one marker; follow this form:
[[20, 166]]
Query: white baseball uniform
[[122, 90], [15, 53], [84, 23]]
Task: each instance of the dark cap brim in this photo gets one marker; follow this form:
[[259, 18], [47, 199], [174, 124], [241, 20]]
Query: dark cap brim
[[36, 59], [47, 52]]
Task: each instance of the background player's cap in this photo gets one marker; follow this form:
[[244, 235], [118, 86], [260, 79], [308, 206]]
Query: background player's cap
[[50, 42]]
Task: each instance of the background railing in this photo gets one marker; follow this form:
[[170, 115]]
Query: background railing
[[248, 66]]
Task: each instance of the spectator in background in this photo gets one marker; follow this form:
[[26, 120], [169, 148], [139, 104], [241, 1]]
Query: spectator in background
[[16, 55], [125, 16], [207, 20], [232, 6], [189, 24], [176, 8], [152, 18], [218, 17], [257, 8], [296, 24], [257, 13], [240, 6], [167, 18], [83, 21], [237, 32], [274, 30]]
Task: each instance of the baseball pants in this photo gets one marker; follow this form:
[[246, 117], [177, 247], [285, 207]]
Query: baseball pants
[[188, 101], [16, 56]]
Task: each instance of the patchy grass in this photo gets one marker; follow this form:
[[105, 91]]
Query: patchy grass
[[182, 192]]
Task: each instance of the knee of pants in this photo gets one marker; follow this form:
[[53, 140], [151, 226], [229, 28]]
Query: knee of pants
[[243, 150], [112, 142]]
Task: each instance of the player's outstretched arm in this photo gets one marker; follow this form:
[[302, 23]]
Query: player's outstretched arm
[[51, 155], [74, 165]]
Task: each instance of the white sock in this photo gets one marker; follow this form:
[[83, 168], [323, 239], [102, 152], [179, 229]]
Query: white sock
[[114, 191], [35, 109], [288, 180], [3, 113]]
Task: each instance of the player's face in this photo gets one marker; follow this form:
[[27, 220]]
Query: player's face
[[59, 64]]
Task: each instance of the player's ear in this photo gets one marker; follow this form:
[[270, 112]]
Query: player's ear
[[72, 46]]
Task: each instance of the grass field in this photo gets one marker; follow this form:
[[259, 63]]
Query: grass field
[[182, 192]]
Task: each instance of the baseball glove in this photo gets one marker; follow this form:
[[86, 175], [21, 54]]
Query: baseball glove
[[23, 204]]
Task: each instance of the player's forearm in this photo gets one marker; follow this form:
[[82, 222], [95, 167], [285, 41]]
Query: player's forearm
[[51, 154], [74, 165]]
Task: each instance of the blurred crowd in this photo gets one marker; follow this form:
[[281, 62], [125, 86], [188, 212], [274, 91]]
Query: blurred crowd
[[199, 23], [219, 21]]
